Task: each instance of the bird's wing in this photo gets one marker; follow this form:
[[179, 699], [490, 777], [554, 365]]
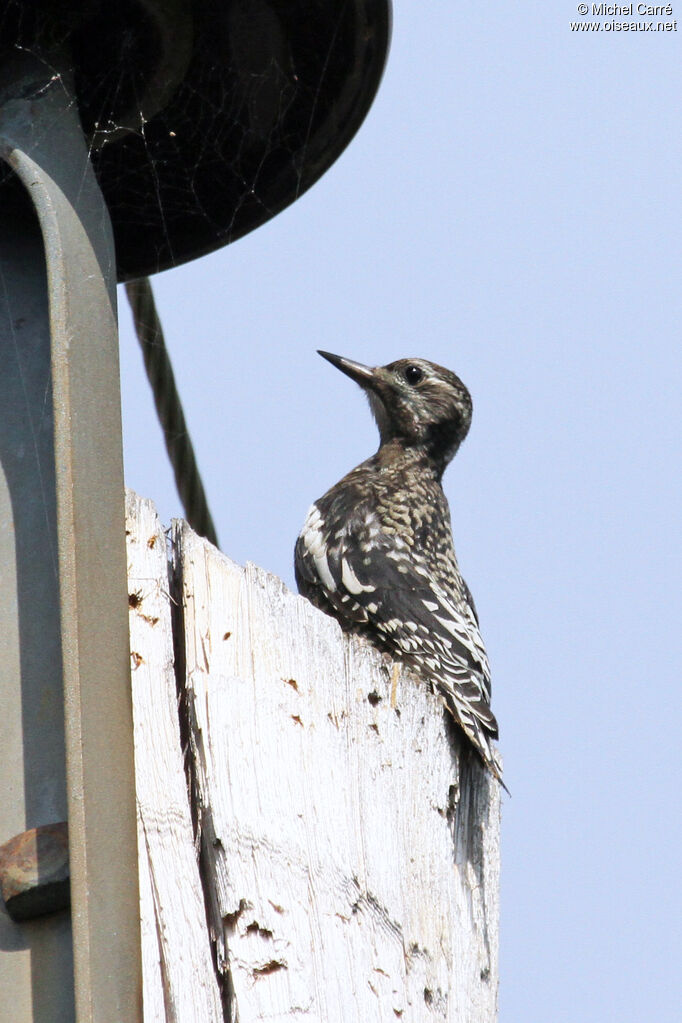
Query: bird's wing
[[468, 596], [365, 576]]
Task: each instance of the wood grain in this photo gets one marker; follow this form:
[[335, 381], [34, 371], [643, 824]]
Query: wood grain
[[349, 847], [179, 982]]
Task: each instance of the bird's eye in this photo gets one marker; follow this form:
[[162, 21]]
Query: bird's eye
[[413, 374]]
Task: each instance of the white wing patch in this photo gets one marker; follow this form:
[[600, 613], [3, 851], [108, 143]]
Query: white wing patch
[[312, 535], [351, 581]]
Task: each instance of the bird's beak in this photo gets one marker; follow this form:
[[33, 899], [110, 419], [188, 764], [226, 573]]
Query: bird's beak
[[363, 375]]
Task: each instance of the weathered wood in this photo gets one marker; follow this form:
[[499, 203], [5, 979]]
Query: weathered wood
[[350, 852], [179, 982], [349, 848]]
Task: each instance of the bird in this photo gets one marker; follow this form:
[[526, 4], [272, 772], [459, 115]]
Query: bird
[[376, 550]]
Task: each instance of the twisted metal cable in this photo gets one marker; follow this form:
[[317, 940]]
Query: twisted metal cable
[[169, 408]]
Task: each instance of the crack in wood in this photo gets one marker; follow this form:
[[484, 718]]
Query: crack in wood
[[272, 967]]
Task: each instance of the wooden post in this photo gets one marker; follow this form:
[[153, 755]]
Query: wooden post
[[179, 982], [349, 848]]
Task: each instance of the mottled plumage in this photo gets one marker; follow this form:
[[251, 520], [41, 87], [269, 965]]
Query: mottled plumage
[[376, 550]]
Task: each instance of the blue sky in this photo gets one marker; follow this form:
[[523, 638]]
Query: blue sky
[[510, 209]]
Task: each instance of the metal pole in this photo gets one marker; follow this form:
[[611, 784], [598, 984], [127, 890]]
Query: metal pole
[[63, 563]]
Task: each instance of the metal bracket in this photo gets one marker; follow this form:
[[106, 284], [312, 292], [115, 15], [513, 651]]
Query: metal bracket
[[80, 523]]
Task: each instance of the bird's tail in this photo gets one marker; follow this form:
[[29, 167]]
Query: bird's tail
[[480, 727]]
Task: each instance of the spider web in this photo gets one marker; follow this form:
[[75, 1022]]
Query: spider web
[[205, 119]]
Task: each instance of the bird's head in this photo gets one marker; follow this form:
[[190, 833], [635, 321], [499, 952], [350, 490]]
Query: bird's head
[[414, 401]]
